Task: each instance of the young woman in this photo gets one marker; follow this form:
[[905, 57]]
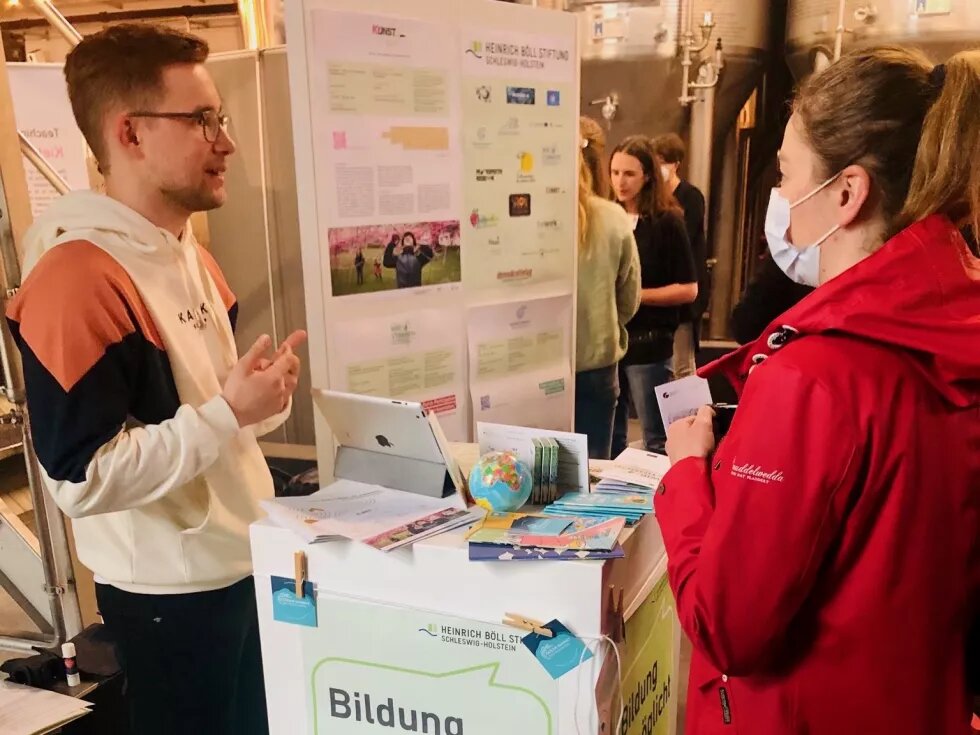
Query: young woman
[[669, 284], [825, 558], [608, 296]]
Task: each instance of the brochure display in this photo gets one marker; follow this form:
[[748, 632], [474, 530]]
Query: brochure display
[[413, 640], [436, 148]]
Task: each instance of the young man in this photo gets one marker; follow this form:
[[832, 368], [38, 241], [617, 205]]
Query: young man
[[144, 417], [670, 155]]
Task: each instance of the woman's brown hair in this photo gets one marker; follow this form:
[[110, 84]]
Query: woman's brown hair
[[869, 108], [593, 151], [946, 176], [654, 197]]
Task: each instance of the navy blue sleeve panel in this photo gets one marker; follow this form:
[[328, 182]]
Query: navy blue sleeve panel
[[224, 290], [93, 359]]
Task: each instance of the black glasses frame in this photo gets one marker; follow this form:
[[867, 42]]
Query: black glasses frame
[[212, 123]]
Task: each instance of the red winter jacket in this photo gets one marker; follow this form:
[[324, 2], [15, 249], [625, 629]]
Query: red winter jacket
[[826, 559]]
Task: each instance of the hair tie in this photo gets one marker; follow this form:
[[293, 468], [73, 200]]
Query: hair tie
[[937, 77]]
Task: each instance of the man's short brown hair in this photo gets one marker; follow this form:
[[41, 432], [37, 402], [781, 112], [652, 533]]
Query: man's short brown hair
[[670, 147], [123, 65]]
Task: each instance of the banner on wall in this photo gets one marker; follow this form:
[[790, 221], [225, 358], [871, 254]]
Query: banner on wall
[[517, 91], [649, 690], [433, 673], [43, 115], [443, 161], [386, 152]]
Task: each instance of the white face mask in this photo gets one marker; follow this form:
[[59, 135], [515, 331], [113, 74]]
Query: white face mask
[[800, 262], [667, 172]]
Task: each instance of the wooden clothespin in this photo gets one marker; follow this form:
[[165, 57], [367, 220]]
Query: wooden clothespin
[[519, 621], [299, 568], [615, 620]]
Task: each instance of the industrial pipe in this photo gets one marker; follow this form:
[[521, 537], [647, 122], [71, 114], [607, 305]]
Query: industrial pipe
[[66, 620], [839, 33], [56, 19]]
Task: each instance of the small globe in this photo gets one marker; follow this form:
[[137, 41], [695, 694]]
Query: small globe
[[500, 482]]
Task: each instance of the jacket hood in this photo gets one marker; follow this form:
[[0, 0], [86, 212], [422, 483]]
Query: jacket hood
[[87, 215], [919, 293]]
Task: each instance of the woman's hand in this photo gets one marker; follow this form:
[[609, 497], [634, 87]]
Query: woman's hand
[[693, 436]]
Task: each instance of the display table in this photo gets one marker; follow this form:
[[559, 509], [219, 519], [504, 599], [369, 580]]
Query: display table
[[413, 641]]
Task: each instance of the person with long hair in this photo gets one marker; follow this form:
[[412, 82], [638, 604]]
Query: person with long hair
[[825, 555], [669, 285], [608, 297]]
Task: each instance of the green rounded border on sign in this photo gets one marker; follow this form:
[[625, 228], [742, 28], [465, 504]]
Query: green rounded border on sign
[[494, 667]]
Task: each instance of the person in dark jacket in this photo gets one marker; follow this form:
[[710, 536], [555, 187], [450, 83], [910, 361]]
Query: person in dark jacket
[[825, 556], [408, 263], [359, 266], [668, 281], [769, 294], [670, 152]]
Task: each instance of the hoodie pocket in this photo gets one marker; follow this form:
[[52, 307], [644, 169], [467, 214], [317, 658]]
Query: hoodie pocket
[[196, 501]]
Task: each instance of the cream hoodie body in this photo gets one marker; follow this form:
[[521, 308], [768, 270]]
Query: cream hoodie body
[[126, 335]]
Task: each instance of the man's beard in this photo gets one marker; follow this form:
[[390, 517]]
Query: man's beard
[[193, 199]]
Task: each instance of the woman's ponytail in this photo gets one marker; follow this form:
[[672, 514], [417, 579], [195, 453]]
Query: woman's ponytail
[[946, 174]]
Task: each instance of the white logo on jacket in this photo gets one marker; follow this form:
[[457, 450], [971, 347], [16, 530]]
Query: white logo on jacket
[[755, 473]]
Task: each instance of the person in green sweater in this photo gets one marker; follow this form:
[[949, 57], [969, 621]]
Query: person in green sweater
[[608, 295]]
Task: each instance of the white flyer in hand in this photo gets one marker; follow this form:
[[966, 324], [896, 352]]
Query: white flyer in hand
[[682, 398]]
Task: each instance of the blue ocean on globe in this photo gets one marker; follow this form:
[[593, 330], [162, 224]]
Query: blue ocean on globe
[[500, 482]]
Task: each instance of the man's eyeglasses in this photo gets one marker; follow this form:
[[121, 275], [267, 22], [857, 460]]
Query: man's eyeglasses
[[211, 121]]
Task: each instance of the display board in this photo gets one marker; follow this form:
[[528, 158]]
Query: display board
[[436, 143], [44, 116]]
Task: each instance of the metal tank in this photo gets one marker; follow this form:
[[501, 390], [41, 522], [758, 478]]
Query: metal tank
[[818, 28], [630, 51]]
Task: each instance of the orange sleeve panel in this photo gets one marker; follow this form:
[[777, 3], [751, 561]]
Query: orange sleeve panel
[[227, 297], [93, 358], [77, 302]]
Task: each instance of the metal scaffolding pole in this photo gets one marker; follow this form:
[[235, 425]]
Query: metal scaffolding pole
[[51, 545]]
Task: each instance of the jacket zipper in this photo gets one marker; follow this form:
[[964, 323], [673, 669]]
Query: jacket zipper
[[726, 704]]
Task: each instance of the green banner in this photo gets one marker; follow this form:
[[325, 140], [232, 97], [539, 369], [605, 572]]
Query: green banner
[[649, 685]]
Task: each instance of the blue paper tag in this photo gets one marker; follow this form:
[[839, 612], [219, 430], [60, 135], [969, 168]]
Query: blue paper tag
[[288, 608], [559, 654]]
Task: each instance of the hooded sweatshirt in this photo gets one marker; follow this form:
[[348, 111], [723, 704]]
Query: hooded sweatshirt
[[826, 559], [126, 337]]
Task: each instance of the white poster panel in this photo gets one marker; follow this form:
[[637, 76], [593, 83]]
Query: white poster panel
[[519, 369], [519, 150], [418, 356], [43, 115]]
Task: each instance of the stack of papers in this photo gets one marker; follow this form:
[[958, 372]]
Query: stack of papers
[[538, 531], [604, 506], [382, 518], [634, 471], [502, 552], [26, 711]]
